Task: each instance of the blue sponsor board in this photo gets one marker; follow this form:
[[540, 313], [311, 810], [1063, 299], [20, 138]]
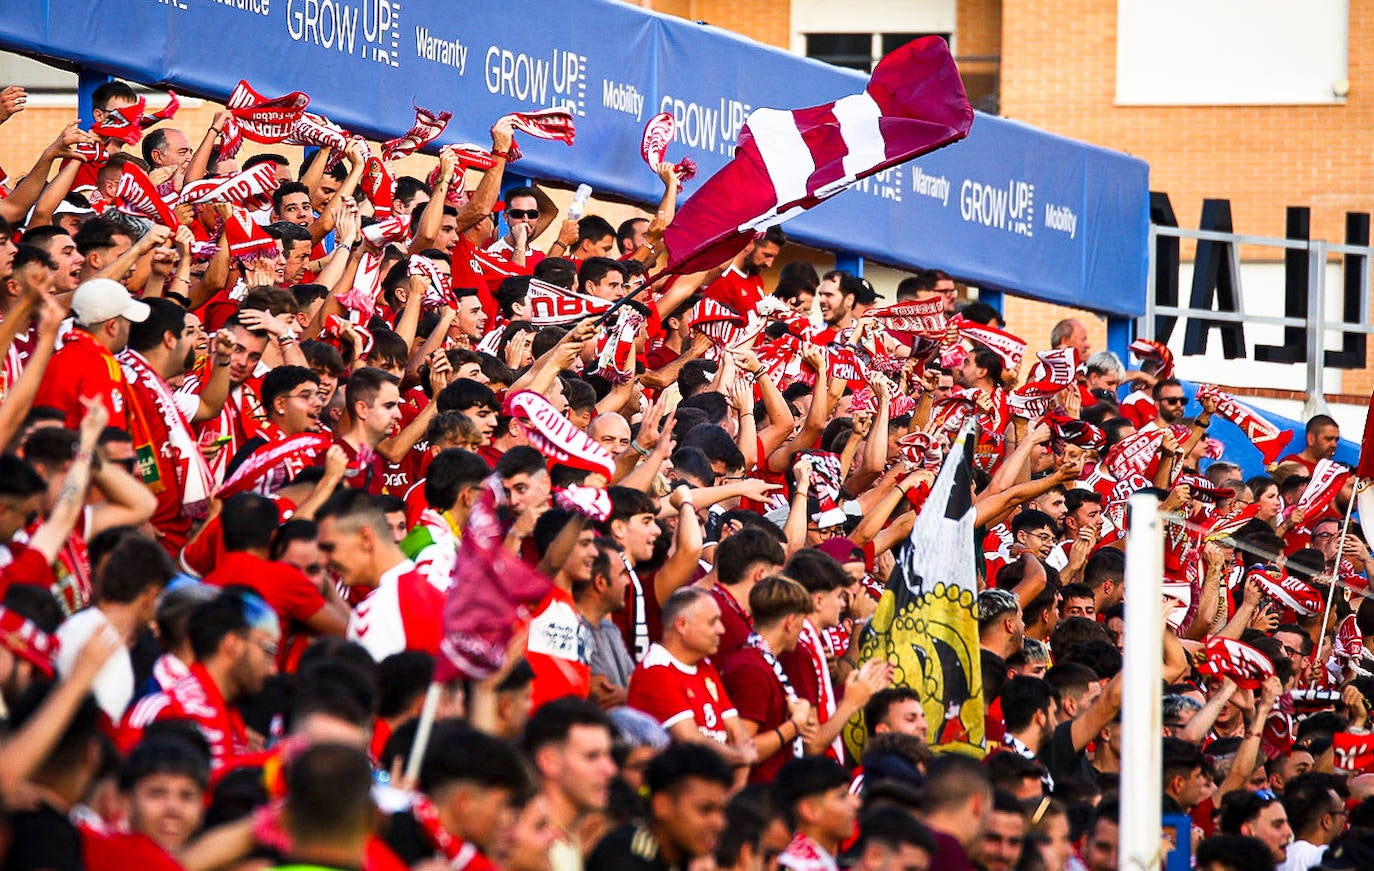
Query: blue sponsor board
[[1010, 208]]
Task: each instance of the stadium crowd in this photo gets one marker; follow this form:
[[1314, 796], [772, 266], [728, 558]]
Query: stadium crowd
[[288, 446]]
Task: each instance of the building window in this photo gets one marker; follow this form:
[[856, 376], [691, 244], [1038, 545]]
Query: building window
[[852, 50], [1256, 53], [862, 51]]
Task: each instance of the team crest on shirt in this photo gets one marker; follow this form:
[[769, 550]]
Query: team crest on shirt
[[711, 688]]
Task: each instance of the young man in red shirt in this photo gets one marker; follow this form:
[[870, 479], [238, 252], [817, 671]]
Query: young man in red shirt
[[676, 685], [86, 364], [374, 408], [741, 561], [248, 521], [770, 711], [234, 638], [162, 785], [815, 797], [403, 610], [241, 416]]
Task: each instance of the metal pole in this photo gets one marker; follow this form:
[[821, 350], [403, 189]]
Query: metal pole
[[1141, 718], [1340, 547], [87, 80], [1316, 333], [1147, 327], [422, 732]]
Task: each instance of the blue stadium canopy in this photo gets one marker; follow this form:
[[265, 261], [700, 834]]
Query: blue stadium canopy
[[1011, 208]]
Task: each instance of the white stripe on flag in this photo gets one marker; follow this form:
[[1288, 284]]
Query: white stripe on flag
[[785, 154], [858, 117]]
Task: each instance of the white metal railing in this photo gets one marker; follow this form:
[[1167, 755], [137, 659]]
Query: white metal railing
[[1314, 324]]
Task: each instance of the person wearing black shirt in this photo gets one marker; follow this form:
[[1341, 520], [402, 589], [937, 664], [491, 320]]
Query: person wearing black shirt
[[689, 785], [43, 837]]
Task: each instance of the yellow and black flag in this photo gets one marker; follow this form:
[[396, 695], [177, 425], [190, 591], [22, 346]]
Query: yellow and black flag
[[926, 624]]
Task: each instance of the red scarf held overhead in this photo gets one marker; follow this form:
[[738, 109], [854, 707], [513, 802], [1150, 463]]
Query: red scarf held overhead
[[259, 118], [127, 124], [137, 195], [556, 437], [428, 125], [1227, 657], [379, 187], [658, 133], [1003, 344], [247, 240], [1268, 438], [251, 189], [554, 124]]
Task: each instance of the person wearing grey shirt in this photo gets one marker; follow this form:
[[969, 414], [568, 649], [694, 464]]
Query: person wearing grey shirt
[[596, 600]]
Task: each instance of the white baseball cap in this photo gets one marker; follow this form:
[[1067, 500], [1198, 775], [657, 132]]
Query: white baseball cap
[[100, 299]]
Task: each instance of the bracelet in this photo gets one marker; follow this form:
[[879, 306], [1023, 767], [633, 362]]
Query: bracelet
[[782, 742], [223, 361], [1200, 422], [559, 242], [84, 455], [504, 155], [639, 449]]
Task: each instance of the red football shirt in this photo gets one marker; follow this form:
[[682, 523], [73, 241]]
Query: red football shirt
[[671, 692], [750, 679]]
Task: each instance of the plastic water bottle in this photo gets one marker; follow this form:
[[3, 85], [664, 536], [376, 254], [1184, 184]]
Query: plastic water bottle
[[579, 203]]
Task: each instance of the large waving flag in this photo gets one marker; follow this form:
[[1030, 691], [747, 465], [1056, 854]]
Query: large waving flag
[[788, 161], [926, 624]]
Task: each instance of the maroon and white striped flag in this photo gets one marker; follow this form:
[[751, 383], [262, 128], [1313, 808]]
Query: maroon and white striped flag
[[789, 161]]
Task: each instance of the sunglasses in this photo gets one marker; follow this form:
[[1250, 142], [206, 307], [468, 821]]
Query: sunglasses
[[521, 213], [1173, 400]]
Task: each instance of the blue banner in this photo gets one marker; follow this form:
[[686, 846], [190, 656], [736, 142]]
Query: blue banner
[[1010, 208]]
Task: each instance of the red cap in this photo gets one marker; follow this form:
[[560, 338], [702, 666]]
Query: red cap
[[22, 637]]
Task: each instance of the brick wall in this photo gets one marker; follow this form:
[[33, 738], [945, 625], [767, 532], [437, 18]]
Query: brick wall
[[1058, 73], [765, 21]]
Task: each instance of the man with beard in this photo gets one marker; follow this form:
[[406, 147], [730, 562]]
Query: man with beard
[[234, 637], [169, 460], [741, 287], [600, 596], [838, 297]]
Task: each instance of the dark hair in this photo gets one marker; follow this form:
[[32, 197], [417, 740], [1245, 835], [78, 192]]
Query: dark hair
[[449, 473], [282, 380], [595, 270], [1022, 697], [329, 792], [806, 777], [284, 190], [165, 754], [744, 550], [521, 459], [287, 233], [893, 828], [593, 228], [401, 680], [248, 521], [818, 572], [1029, 520], [111, 90], [679, 763], [265, 157], [715, 442], [136, 563], [951, 780], [408, 186], [457, 752], [364, 385], [98, 234], [1240, 806], [553, 721], [1235, 853], [877, 707], [463, 393], [18, 478], [212, 621], [627, 502]]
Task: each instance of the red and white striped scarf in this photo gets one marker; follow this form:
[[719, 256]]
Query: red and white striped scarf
[[137, 195], [127, 124], [367, 283], [556, 437], [249, 189], [428, 125], [615, 349], [259, 118], [181, 455], [1266, 436], [654, 145], [811, 644], [288, 454], [555, 124], [247, 240]]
